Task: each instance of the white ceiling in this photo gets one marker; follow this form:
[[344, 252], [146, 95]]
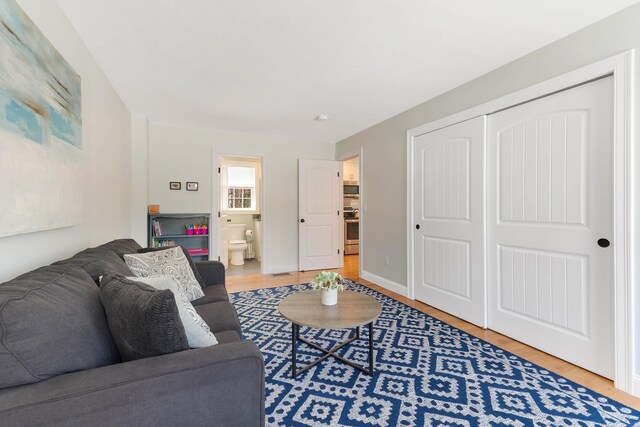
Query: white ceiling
[[272, 66]]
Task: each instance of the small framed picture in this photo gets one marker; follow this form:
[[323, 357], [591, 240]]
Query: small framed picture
[[173, 185], [192, 186]]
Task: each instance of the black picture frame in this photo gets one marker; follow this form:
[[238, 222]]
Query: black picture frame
[[174, 185], [192, 186]]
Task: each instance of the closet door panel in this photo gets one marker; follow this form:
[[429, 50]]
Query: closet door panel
[[449, 265]]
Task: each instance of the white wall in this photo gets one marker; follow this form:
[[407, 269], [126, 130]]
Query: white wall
[[186, 154], [139, 178], [106, 140]]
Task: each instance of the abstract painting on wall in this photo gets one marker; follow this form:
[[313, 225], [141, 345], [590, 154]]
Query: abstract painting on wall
[[40, 130]]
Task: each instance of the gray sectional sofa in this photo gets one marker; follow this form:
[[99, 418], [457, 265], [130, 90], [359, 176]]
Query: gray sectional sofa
[[59, 365]]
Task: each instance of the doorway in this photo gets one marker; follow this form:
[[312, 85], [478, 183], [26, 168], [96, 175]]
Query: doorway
[[240, 210], [352, 208]]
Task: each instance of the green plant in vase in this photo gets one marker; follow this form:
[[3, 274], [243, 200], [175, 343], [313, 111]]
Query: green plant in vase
[[328, 283]]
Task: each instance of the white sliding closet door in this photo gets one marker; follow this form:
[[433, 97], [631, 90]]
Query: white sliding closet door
[[549, 215], [449, 270]]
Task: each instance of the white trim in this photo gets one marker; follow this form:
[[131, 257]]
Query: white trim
[[410, 221], [635, 386], [362, 214], [264, 265], [385, 283], [623, 211], [621, 67], [284, 268], [257, 166], [350, 155]]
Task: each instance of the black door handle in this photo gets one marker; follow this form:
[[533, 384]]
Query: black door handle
[[302, 220], [603, 243], [417, 226]]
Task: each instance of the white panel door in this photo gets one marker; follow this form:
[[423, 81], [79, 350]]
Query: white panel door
[[319, 197], [550, 201], [449, 247]]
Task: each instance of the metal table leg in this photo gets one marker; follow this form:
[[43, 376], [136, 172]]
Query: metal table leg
[[295, 336], [370, 348], [294, 339]]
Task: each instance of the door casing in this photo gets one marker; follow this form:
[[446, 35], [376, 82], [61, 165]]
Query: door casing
[[621, 68], [216, 249], [346, 156]]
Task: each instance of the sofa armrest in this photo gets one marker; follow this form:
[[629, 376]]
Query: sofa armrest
[[212, 272], [222, 385]]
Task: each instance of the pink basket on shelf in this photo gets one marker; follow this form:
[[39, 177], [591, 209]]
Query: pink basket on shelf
[[189, 231], [197, 231]]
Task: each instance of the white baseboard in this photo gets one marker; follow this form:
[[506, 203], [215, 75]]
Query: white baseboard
[[635, 385], [385, 283], [285, 268]]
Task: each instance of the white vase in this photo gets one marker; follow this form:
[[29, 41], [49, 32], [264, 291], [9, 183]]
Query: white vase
[[329, 297]]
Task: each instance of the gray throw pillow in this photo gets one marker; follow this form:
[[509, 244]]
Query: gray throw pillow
[[143, 321], [170, 262], [197, 330]]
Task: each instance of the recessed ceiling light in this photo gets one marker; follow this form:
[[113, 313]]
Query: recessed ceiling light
[[322, 117]]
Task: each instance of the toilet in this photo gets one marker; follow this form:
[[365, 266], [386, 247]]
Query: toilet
[[237, 244]]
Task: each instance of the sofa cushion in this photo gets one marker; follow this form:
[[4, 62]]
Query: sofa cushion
[[212, 293], [166, 262], [198, 332], [144, 321], [226, 337], [212, 272], [196, 274], [122, 246], [97, 262], [220, 316], [52, 322]]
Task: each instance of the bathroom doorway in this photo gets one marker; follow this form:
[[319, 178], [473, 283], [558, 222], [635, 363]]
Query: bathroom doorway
[[352, 210], [240, 209]]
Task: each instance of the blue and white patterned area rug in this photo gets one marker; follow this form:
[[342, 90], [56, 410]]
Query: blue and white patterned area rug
[[428, 373]]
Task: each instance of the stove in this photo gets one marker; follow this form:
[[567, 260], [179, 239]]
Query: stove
[[351, 230]]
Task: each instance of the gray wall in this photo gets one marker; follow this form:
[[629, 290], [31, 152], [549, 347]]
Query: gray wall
[[106, 151], [385, 147]]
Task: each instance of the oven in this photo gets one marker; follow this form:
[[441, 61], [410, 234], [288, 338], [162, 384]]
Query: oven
[[351, 236]]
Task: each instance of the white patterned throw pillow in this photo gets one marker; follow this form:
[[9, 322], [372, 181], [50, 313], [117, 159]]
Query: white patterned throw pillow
[[169, 262], [197, 331]]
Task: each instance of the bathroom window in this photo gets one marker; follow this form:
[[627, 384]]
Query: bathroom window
[[241, 192], [240, 198]]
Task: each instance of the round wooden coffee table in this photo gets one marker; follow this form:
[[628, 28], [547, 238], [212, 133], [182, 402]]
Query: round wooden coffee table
[[354, 309]]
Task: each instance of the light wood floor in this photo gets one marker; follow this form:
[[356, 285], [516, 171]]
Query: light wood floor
[[350, 270]]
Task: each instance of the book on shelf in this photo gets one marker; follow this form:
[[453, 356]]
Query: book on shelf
[[163, 243], [157, 229], [198, 251]]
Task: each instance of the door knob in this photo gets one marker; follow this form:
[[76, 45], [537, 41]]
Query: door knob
[[302, 220], [603, 243], [417, 226]]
